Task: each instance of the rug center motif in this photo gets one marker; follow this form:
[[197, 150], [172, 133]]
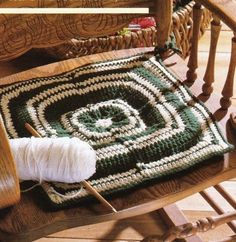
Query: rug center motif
[[103, 122]]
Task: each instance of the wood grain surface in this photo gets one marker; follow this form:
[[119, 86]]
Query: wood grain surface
[[194, 207], [9, 182], [209, 76], [28, 220], [33, 221], [224, 9], [189, 229], [21, 32]]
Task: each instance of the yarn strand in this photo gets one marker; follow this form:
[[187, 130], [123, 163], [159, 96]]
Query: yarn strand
[[53, 191]]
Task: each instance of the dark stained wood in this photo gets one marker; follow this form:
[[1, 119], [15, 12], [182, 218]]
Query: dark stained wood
[[28, 220]]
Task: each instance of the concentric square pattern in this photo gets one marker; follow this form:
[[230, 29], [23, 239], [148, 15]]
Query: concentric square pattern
[[142, 122]]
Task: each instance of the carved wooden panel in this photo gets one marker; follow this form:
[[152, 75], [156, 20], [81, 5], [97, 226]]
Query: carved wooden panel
[[19, 33]]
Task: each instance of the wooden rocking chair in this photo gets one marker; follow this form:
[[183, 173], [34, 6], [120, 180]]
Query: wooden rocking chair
[[25, 220]]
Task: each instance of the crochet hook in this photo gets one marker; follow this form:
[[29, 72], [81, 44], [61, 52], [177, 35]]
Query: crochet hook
[[84, 183]]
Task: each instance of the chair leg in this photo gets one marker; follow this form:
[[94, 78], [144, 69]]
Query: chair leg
[[209, 76], [215, 205], [227, 92], [190, 229], [193, 58]]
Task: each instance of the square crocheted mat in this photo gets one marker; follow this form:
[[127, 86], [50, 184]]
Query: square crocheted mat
[[143, 123]]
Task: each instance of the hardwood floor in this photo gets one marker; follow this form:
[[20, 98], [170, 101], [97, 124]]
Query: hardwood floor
[[132, 229]]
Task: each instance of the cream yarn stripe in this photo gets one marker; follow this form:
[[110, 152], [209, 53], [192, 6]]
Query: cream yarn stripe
[[68, 160]]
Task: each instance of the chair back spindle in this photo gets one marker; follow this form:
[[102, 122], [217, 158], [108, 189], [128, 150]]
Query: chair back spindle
[[209, 76], [227, 92], [222, 11], [193, 58]]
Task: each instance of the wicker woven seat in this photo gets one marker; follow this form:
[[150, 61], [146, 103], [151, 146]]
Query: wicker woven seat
[[182, 29]]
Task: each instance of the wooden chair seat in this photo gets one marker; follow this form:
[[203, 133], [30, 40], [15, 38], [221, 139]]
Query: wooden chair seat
[[28, 220]]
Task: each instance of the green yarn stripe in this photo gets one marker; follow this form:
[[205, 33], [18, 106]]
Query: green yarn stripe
[[143, 123]]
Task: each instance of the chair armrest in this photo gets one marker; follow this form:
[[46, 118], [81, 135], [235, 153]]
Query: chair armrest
[[224, 9], [9, 182]]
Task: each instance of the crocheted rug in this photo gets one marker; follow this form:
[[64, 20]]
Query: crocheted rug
[[143, 123]]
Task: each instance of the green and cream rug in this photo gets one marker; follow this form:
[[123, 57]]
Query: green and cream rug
[[143, 123]]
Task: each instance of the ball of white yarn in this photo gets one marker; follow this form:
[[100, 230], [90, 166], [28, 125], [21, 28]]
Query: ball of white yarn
[[63, 159]]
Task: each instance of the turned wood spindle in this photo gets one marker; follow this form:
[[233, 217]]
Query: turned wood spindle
[[227, 92], [228, 197], [163, 16], [193, 58], [190, 229], [213, 203], [209, 76]]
